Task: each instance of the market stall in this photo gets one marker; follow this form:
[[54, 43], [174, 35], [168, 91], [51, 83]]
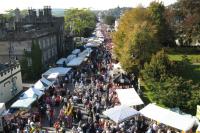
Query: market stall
[[62, 62], [62, 71], [32, 93], [120, 113], [122, 79], [76, 62], [76, 51], [168, 117], [46, 82], [70, 57], [40, 85], [53, 76], [85, 53], [129, 97], [92, 44], [24, 103]]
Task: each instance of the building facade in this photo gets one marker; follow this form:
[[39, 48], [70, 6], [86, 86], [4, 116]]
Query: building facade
[[43, 28], [47, 42], [10, 82]]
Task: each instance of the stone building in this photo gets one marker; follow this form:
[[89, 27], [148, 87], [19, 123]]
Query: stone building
[[10, 81], [44, 28], [23, 41]]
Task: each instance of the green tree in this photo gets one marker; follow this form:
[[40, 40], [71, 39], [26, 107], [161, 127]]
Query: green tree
[[24, 68], [36, 57], [135, 39], [158, 68], [165, 35], [186, 20], [79, 22], [166, 87], [108, 19], [9, 14]]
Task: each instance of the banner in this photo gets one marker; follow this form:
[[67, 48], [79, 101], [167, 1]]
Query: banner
[[198, 112]]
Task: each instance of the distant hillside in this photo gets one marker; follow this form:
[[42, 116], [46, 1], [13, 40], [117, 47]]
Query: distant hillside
[[116, 12], [58, 12]]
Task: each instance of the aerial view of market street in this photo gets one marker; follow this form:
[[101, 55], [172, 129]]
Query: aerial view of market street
[[100, 66]]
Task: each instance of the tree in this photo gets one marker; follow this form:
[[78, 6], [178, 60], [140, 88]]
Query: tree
[[108, 19], [165, 35], [135, 39], [79, 22], [187, 20], [24, 12], [24, 67], [36, 57], [158, 68], [166, 87], [9, 14]]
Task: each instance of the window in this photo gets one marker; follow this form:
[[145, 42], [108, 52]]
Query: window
[[52, 40], [46, 56], [54, 51], [40, 43], [44, 46], [50, 53], [29, 61], [48, 42]]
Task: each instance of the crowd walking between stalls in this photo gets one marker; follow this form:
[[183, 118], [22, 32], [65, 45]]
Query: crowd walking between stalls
[[75, 103]]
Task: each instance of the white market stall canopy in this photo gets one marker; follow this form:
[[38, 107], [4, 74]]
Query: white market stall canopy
[[117, 68], [70, 57], [61, 70], [47, 82], [40, 86], [76, 51], [101, 39], [2, 108], [120, 113], [129, 97], [32, 93], [23, 103], [98, 41], [53, 76], [92, 44], [168, 117], [85, 53], [61, 61], [95, 40], [91, 39], [99, 33], [76, 62]]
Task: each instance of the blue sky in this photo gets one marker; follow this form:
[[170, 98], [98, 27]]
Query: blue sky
[[93, 4]]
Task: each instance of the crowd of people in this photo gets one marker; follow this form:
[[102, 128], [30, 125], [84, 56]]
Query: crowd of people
[[80, 107]]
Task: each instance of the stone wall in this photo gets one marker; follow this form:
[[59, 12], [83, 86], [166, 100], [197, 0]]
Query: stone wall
[[10, 83]]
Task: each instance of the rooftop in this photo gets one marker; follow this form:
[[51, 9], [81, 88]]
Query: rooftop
[[3, 66]]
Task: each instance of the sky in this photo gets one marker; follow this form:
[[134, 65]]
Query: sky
[[92, 4]]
